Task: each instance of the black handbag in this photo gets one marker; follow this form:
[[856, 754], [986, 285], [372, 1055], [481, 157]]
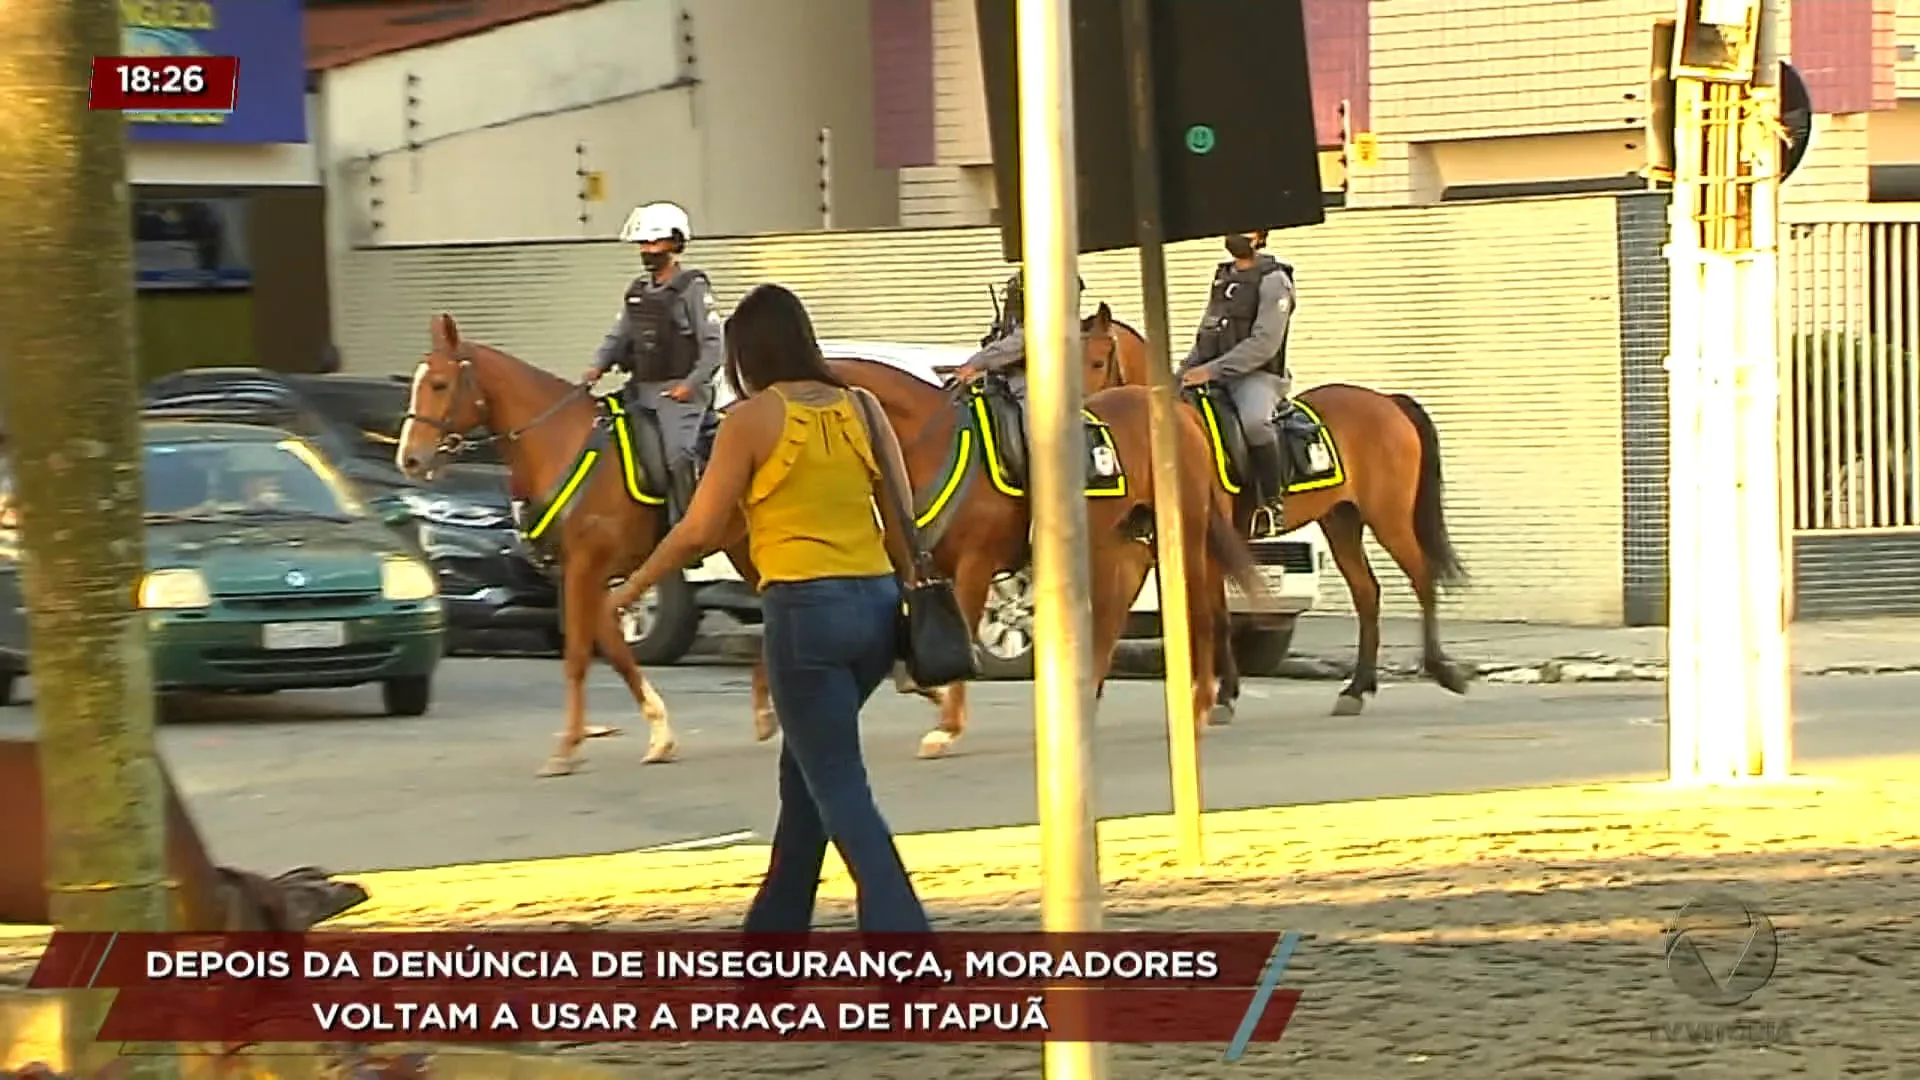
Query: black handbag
[[936, 643]]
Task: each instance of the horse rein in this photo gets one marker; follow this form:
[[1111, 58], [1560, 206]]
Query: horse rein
[[454, 443]]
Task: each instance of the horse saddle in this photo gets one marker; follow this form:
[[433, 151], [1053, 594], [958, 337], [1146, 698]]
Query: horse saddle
[[992, 408], [1307, 454]]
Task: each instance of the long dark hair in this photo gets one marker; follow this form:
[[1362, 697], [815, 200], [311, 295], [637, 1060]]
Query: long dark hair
[[770, 340]]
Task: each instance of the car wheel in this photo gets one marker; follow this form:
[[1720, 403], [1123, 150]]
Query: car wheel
[[1006, 628], [660, 627], [409, 695], [1259, 648]]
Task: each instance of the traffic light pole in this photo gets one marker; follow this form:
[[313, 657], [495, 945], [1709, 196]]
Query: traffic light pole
[[1170, 577]]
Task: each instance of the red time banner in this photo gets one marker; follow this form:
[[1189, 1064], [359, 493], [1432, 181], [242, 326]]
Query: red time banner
[[147, 84]]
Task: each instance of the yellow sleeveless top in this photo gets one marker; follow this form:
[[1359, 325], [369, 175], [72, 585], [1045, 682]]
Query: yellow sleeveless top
[[810, 511]]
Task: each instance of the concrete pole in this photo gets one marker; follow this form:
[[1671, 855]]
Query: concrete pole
[[1063, 685], [1728, 690], [1683, 412]]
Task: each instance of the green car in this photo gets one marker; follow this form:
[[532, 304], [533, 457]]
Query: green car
[[265, 572]]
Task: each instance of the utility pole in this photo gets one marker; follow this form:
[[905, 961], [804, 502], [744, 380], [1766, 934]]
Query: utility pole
[[1728, 694]]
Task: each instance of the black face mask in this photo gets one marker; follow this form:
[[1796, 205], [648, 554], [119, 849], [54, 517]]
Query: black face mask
[[1239, 247], [656, 261]]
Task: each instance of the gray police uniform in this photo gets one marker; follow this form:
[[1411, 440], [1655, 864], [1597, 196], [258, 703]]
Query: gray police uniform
[[1243, 342], [669, 334], [1004, 352]]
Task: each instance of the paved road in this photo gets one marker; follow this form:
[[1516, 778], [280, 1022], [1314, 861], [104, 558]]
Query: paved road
[[321, 778]]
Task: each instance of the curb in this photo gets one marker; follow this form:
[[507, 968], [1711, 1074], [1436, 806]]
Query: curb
[[1141, 660]]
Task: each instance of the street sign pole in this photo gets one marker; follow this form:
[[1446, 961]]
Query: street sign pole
[[1183, 735], [1062, 684]]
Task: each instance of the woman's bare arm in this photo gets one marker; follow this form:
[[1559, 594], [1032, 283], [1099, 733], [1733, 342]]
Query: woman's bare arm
[[713, 517]]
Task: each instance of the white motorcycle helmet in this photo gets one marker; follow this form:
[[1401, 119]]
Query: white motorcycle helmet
[[657, 221]]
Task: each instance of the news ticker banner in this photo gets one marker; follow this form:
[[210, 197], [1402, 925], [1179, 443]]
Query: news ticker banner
[[140, 85], [687, 987]]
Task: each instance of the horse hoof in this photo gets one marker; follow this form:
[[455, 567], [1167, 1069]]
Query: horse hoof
[[1348, 705], [1450, 678], [1220, 716], [660, 753], [559, 765], [766, 724], [936, 744]]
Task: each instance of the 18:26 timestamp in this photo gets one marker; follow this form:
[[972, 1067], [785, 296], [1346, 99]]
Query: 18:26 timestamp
[[165, 83]]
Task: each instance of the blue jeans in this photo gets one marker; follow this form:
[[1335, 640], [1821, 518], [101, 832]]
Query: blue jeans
[[828, 644]]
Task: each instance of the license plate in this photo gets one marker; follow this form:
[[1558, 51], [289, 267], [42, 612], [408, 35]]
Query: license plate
[[1273, 576], [303, 635]]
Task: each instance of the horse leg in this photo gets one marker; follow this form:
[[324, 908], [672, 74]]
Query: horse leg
[[971, 580], [1204, 605], [660, 741], [765, 721], [1226, 698], [1404, 547], [580, 591], [1345, 535]]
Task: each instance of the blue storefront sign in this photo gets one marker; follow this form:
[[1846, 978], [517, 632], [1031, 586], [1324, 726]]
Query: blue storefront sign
[[264, 34]]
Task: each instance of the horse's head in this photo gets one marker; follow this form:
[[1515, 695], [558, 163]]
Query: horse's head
[[1101, 358], [444, 406]]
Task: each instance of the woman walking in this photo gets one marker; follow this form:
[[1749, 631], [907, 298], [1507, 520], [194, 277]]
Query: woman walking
[[797, 457]]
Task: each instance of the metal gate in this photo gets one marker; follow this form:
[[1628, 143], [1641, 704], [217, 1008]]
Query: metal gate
[[1853, 329], [1850, 334]]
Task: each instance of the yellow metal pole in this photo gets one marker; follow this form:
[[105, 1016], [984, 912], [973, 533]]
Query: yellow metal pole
[[1062, 683], [1183, 735]]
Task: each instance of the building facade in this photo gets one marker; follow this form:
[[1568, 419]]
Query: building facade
[[1495, 250], [228, 208], [544, 121]]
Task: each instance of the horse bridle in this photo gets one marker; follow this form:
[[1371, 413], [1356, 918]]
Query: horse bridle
[[454, 443]]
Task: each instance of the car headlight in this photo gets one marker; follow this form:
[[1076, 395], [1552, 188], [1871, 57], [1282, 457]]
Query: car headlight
[[402, 578], [174, 590], [440, 510]]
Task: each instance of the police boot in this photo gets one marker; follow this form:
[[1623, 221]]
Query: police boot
[[681, 482], [1269, 484]]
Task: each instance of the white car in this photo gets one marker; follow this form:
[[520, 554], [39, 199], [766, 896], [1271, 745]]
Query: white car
[[1291, 565]]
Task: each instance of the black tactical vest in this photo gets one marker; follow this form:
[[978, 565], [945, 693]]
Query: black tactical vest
[[663, 349], [1234, 304]]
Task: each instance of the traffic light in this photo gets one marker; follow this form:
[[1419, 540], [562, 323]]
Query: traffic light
[[1234, 107], [1796, 110]]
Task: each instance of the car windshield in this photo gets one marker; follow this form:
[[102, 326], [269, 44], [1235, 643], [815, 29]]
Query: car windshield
[[208, 480]]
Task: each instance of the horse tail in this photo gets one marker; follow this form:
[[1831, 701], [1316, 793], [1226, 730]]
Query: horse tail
[[1227, 547], [1429, 513]]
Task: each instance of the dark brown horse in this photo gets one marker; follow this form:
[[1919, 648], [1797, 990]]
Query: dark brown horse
[[981, 531], [544, 425], [1389, 452]]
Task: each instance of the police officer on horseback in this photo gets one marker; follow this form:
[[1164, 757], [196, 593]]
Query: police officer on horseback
[[1242, 347], [1003, 351], [668, 339]]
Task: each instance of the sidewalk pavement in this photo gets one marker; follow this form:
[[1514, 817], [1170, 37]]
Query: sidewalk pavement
[[1516, 652], [1513, 933]]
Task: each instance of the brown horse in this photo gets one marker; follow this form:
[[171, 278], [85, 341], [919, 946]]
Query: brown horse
[[1390, 454], [545, 427], [980, 531]]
